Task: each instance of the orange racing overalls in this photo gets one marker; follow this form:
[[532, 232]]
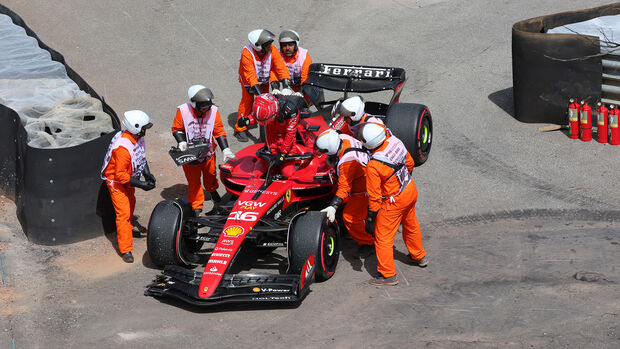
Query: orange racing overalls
[[125, 158], [253, 71], [205, 130], [392, 192]]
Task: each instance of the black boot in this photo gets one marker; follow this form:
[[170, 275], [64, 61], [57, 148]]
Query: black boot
[[241, 136], [127, 257], [215, 197]]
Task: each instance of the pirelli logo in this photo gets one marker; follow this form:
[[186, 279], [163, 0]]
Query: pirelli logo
[[357, 72]]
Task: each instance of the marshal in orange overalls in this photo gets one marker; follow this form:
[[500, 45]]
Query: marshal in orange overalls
[[248, 77], [297, 69], [193, 171], [118, 172], [382, 185], [352, 184]]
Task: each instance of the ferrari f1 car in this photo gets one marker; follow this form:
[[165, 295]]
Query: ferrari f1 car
[[273, 206]]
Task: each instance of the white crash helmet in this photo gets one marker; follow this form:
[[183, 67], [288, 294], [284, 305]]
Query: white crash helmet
[[289, 35], [199, 94], [352, 107], [260, 37], [135, 121], [372, 135], [328, 142]]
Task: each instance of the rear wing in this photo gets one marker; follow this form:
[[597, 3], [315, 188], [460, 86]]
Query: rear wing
[[355, 78]]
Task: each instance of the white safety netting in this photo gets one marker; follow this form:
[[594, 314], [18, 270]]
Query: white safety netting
[[52, 108], [607, 28]]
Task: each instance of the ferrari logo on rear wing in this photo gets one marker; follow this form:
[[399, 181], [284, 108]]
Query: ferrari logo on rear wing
[[355, 78], [356, 71]]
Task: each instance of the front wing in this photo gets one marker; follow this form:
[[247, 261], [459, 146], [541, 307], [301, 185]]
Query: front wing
[[181, 283]]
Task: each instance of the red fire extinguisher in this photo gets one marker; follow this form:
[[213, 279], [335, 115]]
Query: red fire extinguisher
[[573, 118], [601, 121], [614, 131], [585, 122]]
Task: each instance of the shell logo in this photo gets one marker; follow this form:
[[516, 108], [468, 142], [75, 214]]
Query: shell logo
[[256, 289], [234, 230]]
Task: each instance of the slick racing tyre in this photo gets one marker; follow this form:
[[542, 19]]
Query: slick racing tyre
[[312, 233], [165, 242], [413, 125]]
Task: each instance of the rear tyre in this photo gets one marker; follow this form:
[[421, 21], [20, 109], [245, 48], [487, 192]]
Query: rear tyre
[[312, 233], [413, 125], [163, 232]]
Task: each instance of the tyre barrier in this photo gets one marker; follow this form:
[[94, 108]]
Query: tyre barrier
[[58, 193], [548, 69]]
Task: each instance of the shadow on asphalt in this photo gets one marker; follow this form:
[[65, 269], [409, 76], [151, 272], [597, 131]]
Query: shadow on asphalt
[[349, 251], [138, 233], [231, 119], [174, 192], [146, 261], [504, 99]]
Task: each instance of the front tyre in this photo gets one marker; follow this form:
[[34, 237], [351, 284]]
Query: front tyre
[[312, 233], [165, 242], [413, 125]]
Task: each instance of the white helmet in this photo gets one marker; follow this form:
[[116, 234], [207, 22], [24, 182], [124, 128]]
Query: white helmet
[[372, 135], [351, 107], [260, 38], [328, 142], [200, 94], [136, 121]]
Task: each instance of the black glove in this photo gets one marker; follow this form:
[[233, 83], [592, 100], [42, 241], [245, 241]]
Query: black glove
[[222, 141], [275, 85], [136, 182], [148, 175], [336, 201], [370, 222], [255, 90], [286, 83], [179, 136], [243, 121], [278, 160]]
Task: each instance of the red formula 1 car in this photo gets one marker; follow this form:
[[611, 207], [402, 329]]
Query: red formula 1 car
[[271, 210]]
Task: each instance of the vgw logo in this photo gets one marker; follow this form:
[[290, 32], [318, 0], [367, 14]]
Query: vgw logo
[[250, 205]]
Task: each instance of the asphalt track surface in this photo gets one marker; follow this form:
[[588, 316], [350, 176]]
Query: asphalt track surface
[[521, 227]]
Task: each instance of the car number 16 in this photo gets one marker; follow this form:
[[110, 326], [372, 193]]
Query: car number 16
[[244, 216]]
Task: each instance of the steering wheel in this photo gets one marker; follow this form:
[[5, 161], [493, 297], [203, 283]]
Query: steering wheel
[[266, 155]]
